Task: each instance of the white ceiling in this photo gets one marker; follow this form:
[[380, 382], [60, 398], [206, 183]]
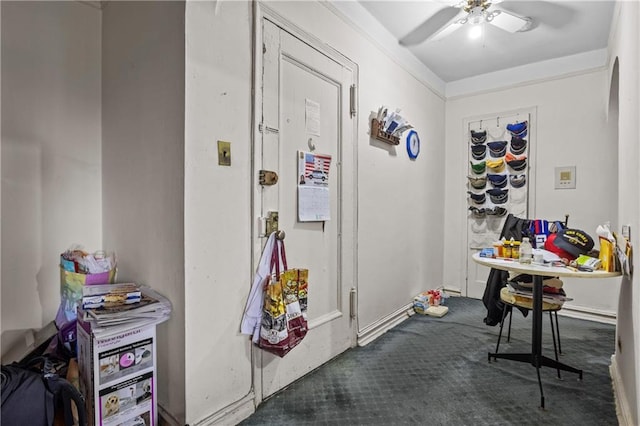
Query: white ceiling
[[560, 29]]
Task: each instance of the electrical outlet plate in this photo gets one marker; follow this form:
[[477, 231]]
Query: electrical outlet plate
[[626, 232], [565, 177]]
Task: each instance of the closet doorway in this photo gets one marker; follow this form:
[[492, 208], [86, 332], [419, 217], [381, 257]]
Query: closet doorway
[[500, 180]]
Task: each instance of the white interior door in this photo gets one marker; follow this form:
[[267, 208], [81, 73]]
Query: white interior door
[[295, 76]]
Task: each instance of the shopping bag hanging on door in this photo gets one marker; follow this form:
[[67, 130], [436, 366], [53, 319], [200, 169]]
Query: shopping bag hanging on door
[[284, 317], [252, 317]]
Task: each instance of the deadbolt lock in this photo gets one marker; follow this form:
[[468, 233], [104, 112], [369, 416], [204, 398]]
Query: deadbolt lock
[[267, 177]]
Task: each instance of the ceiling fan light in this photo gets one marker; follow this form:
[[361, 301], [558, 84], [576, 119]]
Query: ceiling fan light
[[475, 32]]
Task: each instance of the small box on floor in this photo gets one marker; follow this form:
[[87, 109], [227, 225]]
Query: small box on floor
[[118, 376], [429, 303], [437, 311]]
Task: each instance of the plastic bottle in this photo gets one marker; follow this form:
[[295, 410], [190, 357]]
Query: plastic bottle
[[507, 249], [526, 251], [515, 250]]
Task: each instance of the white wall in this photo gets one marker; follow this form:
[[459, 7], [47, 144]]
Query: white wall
[[624, 47], [51, 159], [571, 130], [400, 201], [218, 270], [143, 165]]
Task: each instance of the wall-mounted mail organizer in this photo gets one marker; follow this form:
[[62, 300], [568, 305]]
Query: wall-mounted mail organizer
[[381, 135]]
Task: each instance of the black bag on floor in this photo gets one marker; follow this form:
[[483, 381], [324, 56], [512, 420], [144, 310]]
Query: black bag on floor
[[32, 396]]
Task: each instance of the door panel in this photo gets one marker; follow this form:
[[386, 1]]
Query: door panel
[[294, 72]]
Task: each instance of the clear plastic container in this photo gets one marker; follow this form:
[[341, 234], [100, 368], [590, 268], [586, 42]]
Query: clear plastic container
[[526, 251]]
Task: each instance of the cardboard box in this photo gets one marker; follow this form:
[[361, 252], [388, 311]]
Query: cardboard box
[[118, 376]]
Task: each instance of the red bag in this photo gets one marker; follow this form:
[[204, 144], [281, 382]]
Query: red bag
[[284, 317]]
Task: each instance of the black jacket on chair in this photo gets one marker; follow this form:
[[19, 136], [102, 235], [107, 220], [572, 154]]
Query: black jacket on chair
[[516, 228]]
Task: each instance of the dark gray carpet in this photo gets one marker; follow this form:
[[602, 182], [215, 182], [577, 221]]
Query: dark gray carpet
[[434, 371]]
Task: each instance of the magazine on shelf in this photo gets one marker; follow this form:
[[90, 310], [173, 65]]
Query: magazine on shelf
[[153, 308], [546, 297], [150, 304], [105, 295]]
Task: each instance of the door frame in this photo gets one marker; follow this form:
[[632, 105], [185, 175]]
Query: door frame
[[531, 175], [263, 12]]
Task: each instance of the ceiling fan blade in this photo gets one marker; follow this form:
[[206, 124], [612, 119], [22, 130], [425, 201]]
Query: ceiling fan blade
[[431, 26], [448, 29], [509, 21]]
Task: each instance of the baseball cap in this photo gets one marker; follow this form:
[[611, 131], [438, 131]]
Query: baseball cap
[[518, 181], [478, 151], [574, 241], [496, 211], [477, 212], [478, 168], [477, 182], [549, 245], [498, 196], [496, 165], [477, 198], [518, 129], [497, 148], [518, 145], [497, 181], [517, 165], [478, 137]]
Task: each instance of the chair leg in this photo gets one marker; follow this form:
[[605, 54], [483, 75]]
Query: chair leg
[[553, 335], [504, 313], [510, 317], [555, 313]]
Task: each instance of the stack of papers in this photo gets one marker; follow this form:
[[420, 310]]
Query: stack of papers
[[109, 295], [152, 308], [548, 295]]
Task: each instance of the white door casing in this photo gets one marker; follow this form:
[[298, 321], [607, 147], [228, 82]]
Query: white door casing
[[290, 72]]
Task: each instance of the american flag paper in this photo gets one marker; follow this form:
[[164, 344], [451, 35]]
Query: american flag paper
[[313, 186]]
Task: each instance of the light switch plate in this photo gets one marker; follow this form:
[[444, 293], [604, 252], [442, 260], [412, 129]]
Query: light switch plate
[[224, 153], [565, 177]]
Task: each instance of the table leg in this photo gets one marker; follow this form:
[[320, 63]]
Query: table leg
[[536, 329], [536, 358]]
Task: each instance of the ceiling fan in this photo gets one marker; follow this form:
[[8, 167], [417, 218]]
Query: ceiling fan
[[449, 19]]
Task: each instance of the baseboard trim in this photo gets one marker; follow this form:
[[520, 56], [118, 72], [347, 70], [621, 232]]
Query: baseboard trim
[[588, 314], [378, 328], [623, 411], [231, 414]]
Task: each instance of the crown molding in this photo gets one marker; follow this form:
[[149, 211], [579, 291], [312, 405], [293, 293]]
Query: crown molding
[[536, 72], [359, 18]]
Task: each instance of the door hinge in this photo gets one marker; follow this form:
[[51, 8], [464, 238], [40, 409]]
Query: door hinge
[[352, 100], [352, 303]]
